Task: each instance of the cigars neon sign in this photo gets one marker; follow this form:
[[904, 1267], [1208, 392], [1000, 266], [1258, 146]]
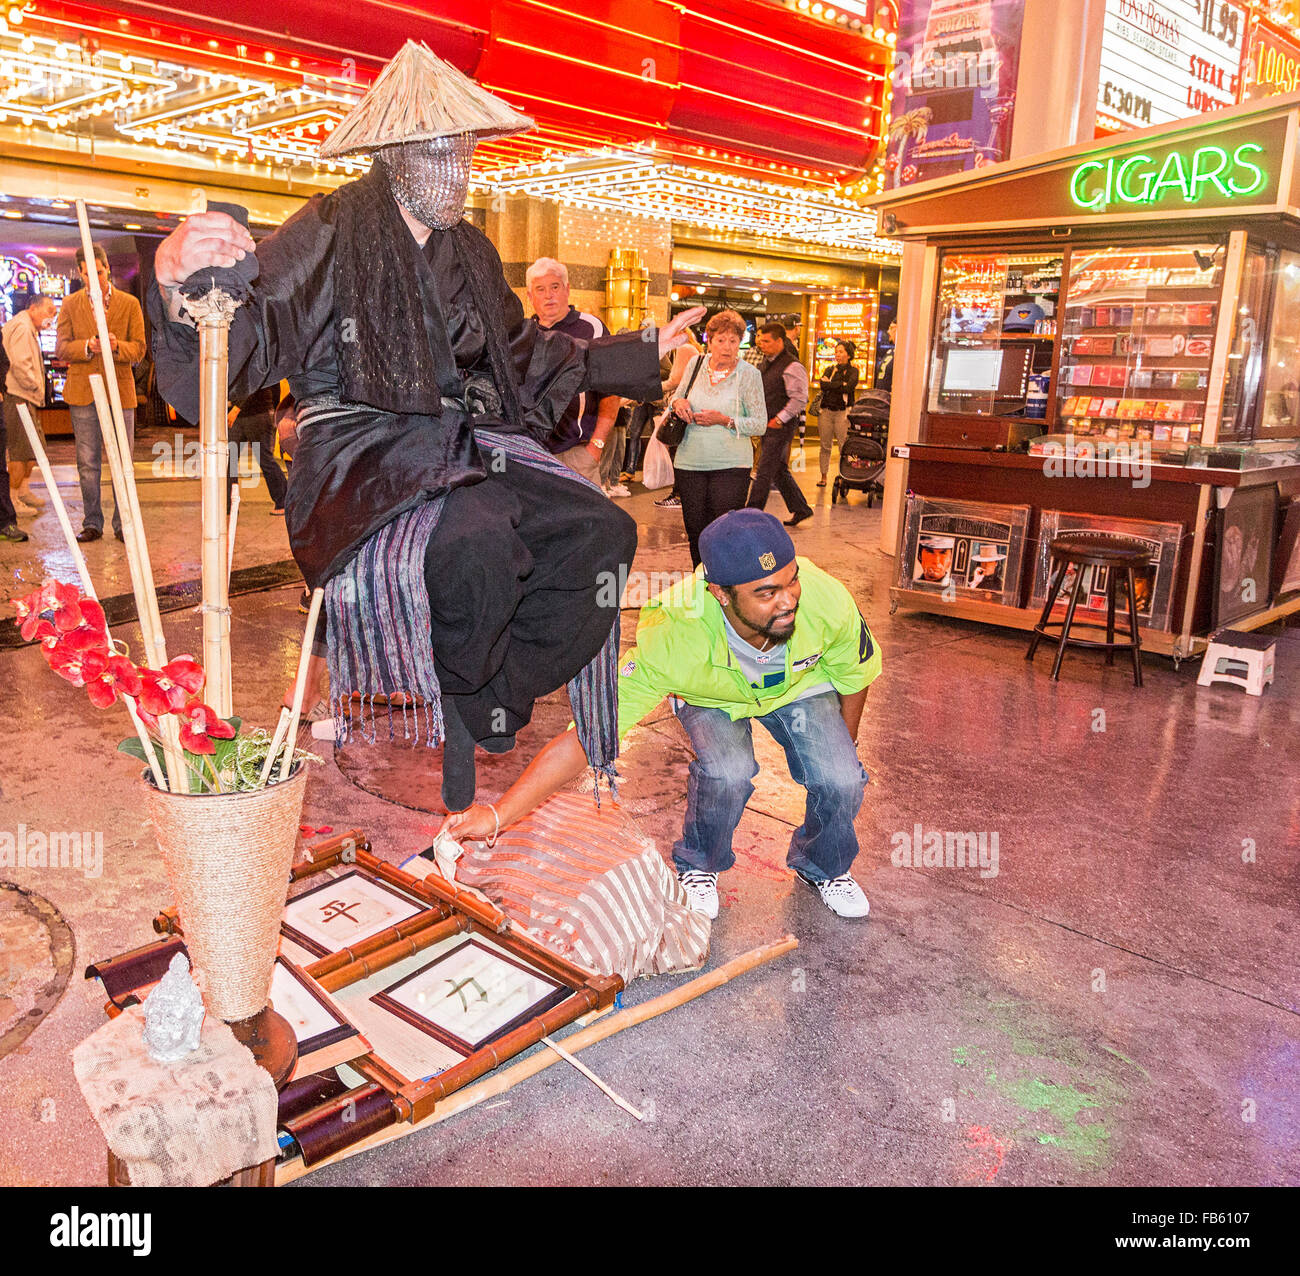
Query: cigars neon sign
[[1184, 177]]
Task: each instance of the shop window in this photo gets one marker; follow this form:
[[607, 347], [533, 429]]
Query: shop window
[[1280, 415], [1136, 339], [996, 324], [1245, 358]]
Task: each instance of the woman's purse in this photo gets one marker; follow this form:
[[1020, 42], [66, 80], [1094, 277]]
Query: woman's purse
[[673, 429]]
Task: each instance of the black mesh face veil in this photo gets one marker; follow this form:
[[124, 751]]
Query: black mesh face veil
[[430, 179]]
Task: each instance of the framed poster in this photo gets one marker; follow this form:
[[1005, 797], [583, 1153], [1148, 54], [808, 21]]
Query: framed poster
[[471, 996], [1243, 569], [324, 1035], [1154, 588], [343, 910], [964, 549], [1286, 566]]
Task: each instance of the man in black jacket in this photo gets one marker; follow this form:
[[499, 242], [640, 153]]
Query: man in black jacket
[[785, 386], [461, 562]]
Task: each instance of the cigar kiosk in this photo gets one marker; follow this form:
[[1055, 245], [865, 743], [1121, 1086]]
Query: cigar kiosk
[[1123, 301]]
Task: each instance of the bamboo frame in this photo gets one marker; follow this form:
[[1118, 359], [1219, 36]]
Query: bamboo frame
[[491, 1087]]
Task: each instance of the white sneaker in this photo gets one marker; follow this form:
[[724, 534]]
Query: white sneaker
[[23, 505], [30, 498], [617, 490], [701, 891], [842, 895]]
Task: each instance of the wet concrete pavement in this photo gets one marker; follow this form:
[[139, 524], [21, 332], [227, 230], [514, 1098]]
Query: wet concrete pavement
[[1117, 1005]]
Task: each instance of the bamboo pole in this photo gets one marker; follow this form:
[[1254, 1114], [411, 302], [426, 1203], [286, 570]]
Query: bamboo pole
[[87, 585], [499, 1082], [300, 685], [214, 332], [141, 568]]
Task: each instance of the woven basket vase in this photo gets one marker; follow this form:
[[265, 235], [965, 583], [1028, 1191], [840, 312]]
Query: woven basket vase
[[227, 857]]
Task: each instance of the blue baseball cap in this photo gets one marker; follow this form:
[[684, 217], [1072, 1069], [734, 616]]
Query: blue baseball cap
[[744, 545]]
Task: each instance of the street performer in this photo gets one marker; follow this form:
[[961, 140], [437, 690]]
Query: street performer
[[461, 562]]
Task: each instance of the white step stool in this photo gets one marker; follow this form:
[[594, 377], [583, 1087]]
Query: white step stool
[[1244, 659]]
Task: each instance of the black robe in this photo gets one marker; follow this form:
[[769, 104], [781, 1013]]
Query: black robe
[[398, 446]]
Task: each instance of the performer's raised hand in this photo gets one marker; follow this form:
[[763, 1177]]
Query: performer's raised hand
[[673, 334], [205, 239]]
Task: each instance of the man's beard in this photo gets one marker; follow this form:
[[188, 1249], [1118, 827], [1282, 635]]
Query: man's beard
[[431, 179], [770, 630]]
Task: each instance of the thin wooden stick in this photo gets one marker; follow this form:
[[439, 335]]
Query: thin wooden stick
[[87, 585], [300, 686], [503, 1080], [592, 1077], [230, 533], [276, 741]]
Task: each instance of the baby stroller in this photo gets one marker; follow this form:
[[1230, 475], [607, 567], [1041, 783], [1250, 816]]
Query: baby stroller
[[862, 457]]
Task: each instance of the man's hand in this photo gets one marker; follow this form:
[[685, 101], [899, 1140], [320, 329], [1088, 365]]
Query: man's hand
[[673, 334], [206, 239], [93, 345], [475, 824], [775, 423]]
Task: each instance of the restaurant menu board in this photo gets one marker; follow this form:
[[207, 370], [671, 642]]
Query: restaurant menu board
[[964, 549], [1165, 60], [1136, 343], [1154, 587]]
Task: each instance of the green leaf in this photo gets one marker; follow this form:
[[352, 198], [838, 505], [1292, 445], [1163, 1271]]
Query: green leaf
[[133, 748]]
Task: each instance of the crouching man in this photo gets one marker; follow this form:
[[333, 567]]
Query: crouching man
[[759, 633]]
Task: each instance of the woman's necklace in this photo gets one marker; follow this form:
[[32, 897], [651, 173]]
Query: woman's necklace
[[716, 375]]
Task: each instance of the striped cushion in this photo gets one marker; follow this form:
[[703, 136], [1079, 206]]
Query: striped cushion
[[590, 887]]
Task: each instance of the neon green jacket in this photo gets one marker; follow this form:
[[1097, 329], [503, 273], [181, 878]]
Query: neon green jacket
[[681, 650]]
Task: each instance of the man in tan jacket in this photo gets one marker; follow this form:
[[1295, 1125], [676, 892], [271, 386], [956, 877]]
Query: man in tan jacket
[[78, 345], [24, 383]]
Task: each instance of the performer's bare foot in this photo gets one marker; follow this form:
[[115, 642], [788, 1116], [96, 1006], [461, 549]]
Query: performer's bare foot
[[317, 684]]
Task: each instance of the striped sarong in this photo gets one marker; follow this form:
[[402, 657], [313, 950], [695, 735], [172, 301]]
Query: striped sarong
[[377, 609], [591, 888]]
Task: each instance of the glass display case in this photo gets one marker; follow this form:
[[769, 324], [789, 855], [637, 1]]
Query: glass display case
[[1137, 341], [995, 331]]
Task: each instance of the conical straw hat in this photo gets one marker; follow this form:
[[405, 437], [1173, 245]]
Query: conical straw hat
[[418, 96]]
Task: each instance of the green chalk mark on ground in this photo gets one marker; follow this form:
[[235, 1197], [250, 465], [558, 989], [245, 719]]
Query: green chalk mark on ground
[[1064, 1104], [959, 1056], [1132, 1063]]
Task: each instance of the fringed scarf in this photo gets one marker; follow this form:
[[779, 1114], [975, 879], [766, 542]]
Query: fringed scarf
[[378, 614]]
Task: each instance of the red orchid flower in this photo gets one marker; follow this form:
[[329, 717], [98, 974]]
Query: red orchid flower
[[90, 633], [165, 690], [55, 602], [200, 726], [67, 662], [108, 677]]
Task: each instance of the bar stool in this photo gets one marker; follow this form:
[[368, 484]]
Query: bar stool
[[1098, 550]]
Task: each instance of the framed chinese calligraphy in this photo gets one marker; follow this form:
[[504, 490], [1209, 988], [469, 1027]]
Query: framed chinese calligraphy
[[344, 910], [471, 995]]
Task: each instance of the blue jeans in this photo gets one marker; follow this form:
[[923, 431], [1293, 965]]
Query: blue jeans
[[85, 425], [822, 757]]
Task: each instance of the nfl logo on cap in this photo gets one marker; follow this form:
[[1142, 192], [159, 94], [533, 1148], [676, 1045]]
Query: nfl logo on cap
[[767, 561]]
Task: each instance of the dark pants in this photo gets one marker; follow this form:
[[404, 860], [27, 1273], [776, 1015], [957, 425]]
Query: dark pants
[[705, 495], [8, 515], [524, 573], [774, 469], [643, 415], [258, 431]]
